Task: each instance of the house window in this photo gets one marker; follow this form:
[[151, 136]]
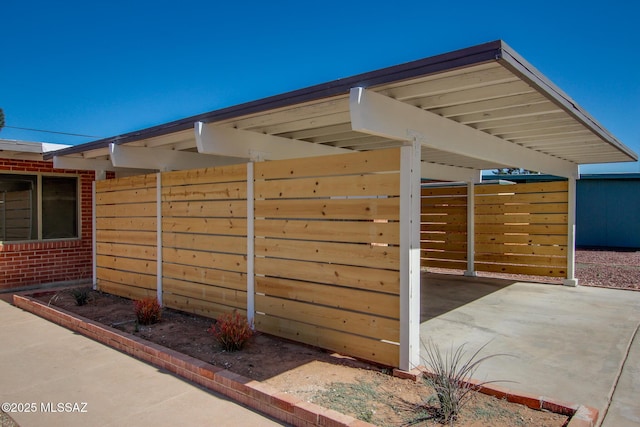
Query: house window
[[38, 207]]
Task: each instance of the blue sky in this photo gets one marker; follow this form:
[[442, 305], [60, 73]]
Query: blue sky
[[103, 68]]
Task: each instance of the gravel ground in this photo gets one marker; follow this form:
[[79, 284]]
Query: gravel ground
[[608, 268], [618, 269]]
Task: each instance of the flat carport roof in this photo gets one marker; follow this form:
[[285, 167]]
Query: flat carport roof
[[482, 107]]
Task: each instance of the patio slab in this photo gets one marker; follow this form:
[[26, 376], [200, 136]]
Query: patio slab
[[568, 343]]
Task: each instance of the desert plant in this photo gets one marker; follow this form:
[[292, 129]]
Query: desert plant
[[450, 377], [147, 311], [80, 295], [231, 330]]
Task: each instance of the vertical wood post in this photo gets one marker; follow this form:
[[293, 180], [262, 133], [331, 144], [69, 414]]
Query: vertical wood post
[[94, 241], [571, 234], [471, 230], [410, 256], [159, 238], [250, 244]]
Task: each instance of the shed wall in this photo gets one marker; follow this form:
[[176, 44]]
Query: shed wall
[[608, 213]]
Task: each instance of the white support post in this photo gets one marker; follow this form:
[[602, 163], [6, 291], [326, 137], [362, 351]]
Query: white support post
[[159, 238], [471, 230], [94, 241], [410, 256], [571, 235], [251, 295]]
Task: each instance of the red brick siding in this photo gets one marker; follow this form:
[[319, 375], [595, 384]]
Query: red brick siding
[[49, 261]]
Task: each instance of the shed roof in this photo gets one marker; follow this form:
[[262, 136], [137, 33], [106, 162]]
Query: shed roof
[[487, 88]]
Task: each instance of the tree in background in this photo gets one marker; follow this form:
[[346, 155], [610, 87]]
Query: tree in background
[[514, 171], [1, 118]]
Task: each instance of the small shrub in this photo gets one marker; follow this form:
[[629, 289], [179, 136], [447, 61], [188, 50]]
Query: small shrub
[[449, 377], [231, 330], [147, 311], [81, 296]]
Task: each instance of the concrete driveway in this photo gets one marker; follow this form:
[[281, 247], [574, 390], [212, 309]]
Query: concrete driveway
[[573, 344]]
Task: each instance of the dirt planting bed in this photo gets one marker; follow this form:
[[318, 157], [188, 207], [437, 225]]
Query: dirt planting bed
[[364, 391]]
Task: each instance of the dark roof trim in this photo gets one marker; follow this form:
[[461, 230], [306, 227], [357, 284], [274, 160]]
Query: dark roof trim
[[460, 58]]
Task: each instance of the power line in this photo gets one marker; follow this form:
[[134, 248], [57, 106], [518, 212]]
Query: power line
[[53, 131]]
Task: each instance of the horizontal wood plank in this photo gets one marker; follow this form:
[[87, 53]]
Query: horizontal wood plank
[[143, 266], [126, 250], [520, 218], [358, 209], [387, 281], [131, 237], [125, 290], [127, 224], [373, 350], [127, 210], [230, 173], [522, 269], [521, 198], [222, 191], [539, 239], [205, 242], [337, 186], [222, 226], [216, 294], [530, 229], [530, 249], [532, 260], [428, 191], [523, 188], [333, 296], [206, 209], [220, 261], [206, 276], [335, 231], [126, 183], [530, 208], [338, 253], [341, 164], [330, 318], [138, 195], [196, 306], [127, 278], [435, 263]]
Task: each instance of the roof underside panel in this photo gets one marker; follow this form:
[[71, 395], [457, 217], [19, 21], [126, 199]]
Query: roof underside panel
[[490, 89]]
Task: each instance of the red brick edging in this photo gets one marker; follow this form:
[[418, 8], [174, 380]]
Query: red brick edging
[[581, 416], [260, 396], [251, 393]]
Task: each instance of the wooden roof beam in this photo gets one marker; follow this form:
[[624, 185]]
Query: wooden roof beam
[[377, 114], [212, 139], [165, 160]]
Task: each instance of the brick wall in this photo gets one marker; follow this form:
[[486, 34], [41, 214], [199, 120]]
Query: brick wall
[[49, 261]]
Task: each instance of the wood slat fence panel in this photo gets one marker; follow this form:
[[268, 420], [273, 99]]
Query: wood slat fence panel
[[204, 238], [522, 228], [443, 229], [126, 236], [327, 257], [519, 229]]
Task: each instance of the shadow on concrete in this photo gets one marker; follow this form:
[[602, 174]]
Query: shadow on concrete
[[441, 293]]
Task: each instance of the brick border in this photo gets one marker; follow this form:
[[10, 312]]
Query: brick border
[[261, 396], [254, 394], [581, 415]]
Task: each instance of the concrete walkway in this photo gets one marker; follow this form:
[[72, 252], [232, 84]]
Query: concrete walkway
[[566, 343], [45, 364]]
